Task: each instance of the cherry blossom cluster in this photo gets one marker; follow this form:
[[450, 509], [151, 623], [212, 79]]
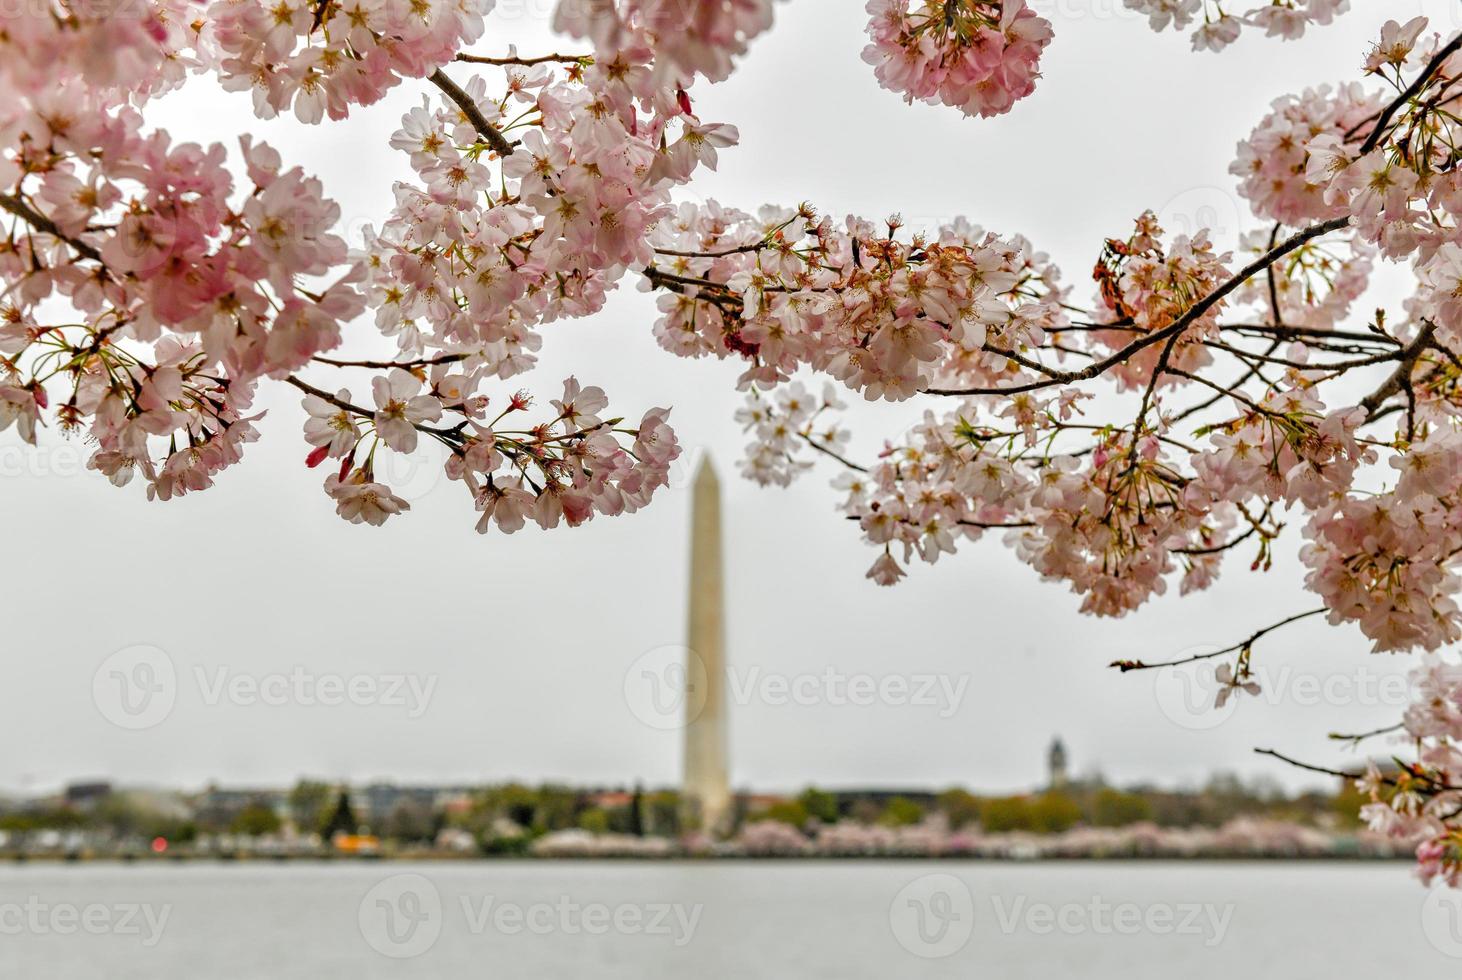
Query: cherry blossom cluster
[[979, 56], [57, 54], [145, 295], [320, 57], [565, 469], [1420, 802], [1273, 161], [179, 293], [884, 316], [1145, 287], [531, 204], [1117, 510], [1286, 19], [686, 37]]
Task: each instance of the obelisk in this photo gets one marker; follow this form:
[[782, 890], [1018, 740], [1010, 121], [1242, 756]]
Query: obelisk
[[707, 789]]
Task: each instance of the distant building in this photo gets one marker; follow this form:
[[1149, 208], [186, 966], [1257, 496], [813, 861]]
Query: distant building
[[84, 796], [216, 807], [1056, 764]]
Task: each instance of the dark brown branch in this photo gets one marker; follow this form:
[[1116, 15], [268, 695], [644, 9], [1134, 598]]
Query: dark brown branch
[[45, 225], [1253, 530], [567, 59], [1177, 327], [490, 134], [1400, 378], [1416, 86], [1320, 769], [828, 452], [387, 365], [1126, 665], [754, 246], [309, 389]]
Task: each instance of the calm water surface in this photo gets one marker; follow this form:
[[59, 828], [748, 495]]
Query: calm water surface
[[754, 920]]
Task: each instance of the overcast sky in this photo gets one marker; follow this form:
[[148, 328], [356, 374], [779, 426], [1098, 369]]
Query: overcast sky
[[530, 646]]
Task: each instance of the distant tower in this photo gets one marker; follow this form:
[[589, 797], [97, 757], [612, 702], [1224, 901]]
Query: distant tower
[[707, 790], [1057, 763]]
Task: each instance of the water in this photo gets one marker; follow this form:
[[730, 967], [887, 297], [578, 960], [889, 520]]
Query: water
[[801, 920]]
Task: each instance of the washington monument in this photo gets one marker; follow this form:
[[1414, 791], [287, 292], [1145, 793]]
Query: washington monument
[[706, 791]]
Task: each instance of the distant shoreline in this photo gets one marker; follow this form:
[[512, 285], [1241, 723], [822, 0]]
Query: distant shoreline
[[438, 858]]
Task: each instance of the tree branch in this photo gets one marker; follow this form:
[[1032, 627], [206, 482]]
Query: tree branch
[[45, 225], [1126, 665], [490, 134], [1416, 86], [1195, 312]]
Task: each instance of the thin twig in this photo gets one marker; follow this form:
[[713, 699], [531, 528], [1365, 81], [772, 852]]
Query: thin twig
[[1126, 665]]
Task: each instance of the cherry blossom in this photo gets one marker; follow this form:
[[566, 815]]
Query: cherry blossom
[[1217, 28], [980, 56]]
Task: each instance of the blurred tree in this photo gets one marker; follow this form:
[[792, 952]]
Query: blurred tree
[[594, 820], [309, 805], [255, 820], [661, 813], [1114, 808], [1005, 814], [342, 819], [961, 808], [411, 820], [1052, 813], [901, 812], [819, 805]]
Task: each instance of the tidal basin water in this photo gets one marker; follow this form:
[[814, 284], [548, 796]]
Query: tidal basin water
[[764, 919]]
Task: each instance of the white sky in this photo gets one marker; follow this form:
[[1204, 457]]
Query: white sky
[[530, 636]]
